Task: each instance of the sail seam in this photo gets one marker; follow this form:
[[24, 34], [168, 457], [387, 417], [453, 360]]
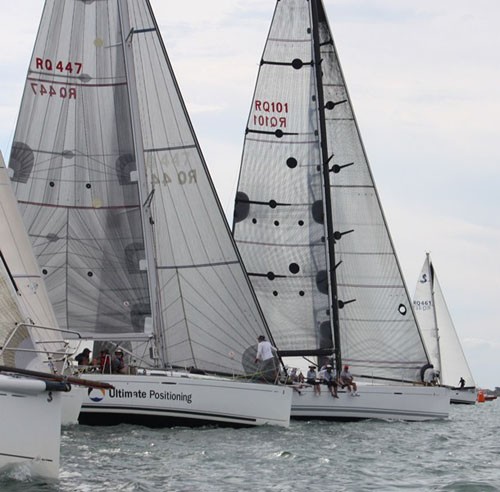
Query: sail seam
[[199, 265]]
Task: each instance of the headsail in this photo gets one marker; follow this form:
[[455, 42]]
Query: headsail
[[123, 256], [440, 337], [307, 204], [29, 333]]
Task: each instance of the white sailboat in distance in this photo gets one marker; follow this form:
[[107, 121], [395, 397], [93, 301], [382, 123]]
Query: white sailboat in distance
[[310, 228], [445, 350], [128, 230]]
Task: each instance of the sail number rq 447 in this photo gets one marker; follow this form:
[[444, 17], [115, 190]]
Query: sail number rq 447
[[47, 65]]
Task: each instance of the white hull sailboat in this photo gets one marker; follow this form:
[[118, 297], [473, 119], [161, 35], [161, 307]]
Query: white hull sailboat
[[163, 398], [131, 238], [441, 339], [376, 401], [310, 228], [30, 423]]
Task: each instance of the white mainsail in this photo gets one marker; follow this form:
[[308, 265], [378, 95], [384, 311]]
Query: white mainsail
[[308, 218], [116, 197], [435, 322]]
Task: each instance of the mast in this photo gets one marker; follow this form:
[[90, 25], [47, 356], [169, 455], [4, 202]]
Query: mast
[[145, 198], [327, 207], [436, 327]]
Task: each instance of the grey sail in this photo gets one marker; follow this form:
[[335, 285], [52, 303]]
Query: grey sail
[[116, 196], [308, 218]]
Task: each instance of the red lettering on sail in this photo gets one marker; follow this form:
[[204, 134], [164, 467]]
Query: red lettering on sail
[[270, 114], [61, 66], [44, 89]]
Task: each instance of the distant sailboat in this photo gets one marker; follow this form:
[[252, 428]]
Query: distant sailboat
[[440, 337], [310, 227], [126, 225]]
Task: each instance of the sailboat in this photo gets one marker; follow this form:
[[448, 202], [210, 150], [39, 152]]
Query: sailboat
[[438, 331], [30, 426], [310, 227], [127, 228]]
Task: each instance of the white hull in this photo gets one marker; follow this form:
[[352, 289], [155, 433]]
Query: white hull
[[72, 405], [174, 398], [463, 396], [30, 427], [377, 401]]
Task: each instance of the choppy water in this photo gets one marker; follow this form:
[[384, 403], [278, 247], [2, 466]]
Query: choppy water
[[458, 454]]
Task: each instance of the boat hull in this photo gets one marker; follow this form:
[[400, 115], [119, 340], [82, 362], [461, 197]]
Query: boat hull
[[30, 427], [72, 404], [388, 402], [167, 400], [463, 396]]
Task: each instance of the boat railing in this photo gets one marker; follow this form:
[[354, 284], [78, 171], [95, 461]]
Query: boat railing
[[63, 351]]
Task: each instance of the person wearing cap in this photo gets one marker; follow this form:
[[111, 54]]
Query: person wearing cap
[[311, 378], [118, 363], [265, 355], [347, 380], [83, 358], [329, 378]]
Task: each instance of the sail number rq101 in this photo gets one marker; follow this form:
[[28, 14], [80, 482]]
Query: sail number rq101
[[270, 114]]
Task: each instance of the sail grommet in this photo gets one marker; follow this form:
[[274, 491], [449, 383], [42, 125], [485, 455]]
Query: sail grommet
[[52, 184], [279, 133], [44, 271], [297, 63], [294, 268], [275, 293], [291, 162], [271, 275], [301, 293], [273, 203], [254, 221], [88, 186], [90, 274], [402, 309], [301, 223]]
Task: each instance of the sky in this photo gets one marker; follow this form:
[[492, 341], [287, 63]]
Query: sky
[[424, 80]]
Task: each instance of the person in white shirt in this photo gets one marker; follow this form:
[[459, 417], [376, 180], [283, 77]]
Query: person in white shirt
[[347, 380], [265, 356], [311, 378]]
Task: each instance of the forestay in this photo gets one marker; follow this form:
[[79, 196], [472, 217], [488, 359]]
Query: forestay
[[295, 128], [124, 256]]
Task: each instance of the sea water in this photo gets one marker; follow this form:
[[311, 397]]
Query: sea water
[[461, 453]]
